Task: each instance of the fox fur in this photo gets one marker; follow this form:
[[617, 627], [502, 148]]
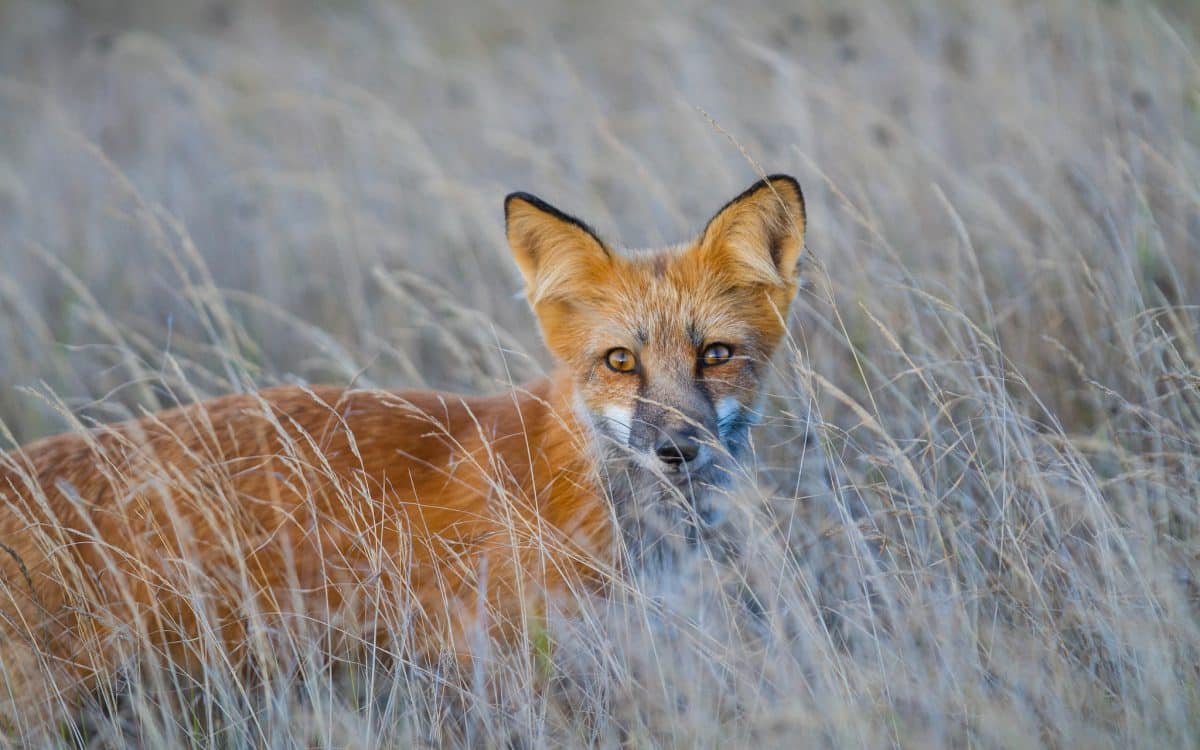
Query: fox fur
[[467, 513]]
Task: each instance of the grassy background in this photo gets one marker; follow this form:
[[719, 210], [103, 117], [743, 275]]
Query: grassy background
[[976, 505]]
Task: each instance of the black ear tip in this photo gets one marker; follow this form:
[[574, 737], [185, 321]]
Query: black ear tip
[[790, 181], [769, 183], [546, 208], [786, 178], [520, 196]]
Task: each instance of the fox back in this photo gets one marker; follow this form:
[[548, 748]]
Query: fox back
[[431, 515]]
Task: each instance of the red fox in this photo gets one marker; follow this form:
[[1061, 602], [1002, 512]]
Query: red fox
[[179, 529]]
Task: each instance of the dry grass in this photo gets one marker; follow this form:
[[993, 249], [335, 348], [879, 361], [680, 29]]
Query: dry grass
[[975, 515]]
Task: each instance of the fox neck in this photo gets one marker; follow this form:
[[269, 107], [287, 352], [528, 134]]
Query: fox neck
[[662, 516]]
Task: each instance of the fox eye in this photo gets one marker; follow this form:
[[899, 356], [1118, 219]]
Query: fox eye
[[620, 360], [715, 354]]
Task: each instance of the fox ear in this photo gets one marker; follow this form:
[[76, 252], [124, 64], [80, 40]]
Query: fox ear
[[558, 254], [757, 237]]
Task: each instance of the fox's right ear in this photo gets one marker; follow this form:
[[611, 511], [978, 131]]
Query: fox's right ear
[[558, 255]]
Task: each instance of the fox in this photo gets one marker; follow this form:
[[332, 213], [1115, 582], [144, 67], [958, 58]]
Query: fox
[[463, 512]]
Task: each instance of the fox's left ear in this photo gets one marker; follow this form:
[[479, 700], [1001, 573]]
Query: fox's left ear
[[758, 236]]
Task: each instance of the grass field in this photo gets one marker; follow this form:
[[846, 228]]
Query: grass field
[[973, 520]]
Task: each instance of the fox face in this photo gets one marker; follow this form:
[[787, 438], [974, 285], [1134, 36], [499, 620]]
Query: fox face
[[666, 349]]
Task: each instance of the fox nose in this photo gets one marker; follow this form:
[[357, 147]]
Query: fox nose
[[677, 448]]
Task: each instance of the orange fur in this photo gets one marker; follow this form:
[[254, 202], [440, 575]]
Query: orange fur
[[332, 503]]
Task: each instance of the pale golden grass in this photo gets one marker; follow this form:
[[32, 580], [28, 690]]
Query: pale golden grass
[[971, 517]]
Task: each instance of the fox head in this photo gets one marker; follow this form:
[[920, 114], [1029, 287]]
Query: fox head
[[666, 348]]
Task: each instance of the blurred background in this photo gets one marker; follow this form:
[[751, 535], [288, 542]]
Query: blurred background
[[271, 190], [976, 482]]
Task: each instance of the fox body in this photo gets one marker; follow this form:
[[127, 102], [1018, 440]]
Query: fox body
[[460, 513]]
